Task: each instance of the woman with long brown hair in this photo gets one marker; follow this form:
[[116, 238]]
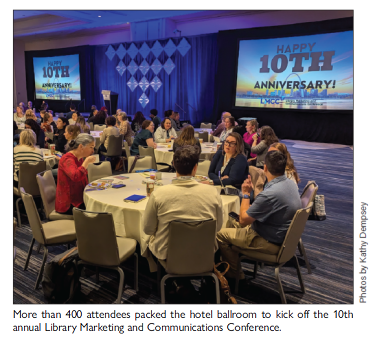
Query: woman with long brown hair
[[290, 169], [267, 137], [186, 138]]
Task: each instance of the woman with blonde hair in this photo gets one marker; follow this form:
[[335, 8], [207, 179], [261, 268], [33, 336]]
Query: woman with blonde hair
[[290, 169], [18, 116], [186, 138], [124, 127], [229, 165], [25, 152], [267, 137], [85, 128]]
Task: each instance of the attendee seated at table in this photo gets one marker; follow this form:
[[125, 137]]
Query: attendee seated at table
[[30, 115], [165, 133], [155, 118], [111, 129], [173, 121], [177, 120], [168, 113], [220, 126], [93, 108], [229, 125], [125, 128], [48, 125], [229, 165], [29, 105], [72, 174], [59, 138], [270, 214], [25, 152], [290, 169], [99, 118], [72, 109], [186, 138], [267, 137], [176, 202], [74, 117], [16, 135], [42, 112], [92, 115], [39, 133], [71, 133], [81, 123], [137, 121], [143, 138], [19, 116], [251, 129], [22, 106]]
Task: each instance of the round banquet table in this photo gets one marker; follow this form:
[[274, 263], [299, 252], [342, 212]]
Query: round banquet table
[[164, 155], [127, 217]]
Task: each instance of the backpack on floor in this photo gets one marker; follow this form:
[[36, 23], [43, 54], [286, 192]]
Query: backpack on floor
[[60, 282]]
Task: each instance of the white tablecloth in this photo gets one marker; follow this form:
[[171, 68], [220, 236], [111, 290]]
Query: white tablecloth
[[164, 155], [96, 135], [127, 217]]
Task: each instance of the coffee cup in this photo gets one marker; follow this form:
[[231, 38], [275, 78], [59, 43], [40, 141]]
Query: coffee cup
[[52, 147], [201, 140], [150, 186]]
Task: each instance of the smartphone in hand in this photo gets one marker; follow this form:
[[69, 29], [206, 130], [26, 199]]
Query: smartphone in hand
[[235, 216]]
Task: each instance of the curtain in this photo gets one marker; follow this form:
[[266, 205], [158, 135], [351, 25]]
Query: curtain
[[160, 74]]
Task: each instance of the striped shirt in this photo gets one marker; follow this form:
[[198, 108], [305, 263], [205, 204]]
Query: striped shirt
[[24, 153]]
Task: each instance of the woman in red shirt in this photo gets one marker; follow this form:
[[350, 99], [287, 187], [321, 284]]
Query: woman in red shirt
[[72, 174]]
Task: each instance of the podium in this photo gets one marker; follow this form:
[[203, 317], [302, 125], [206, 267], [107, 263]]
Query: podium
[[110, 101]]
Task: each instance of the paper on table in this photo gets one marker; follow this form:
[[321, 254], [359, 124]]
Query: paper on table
[[120, 177]]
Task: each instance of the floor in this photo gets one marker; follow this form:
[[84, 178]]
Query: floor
[[329, 246]]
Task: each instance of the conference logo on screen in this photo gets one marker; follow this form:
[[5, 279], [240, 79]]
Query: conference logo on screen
[[57, 78], [307, 72]]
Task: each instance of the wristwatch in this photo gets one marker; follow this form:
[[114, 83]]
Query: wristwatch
[[246, 196]]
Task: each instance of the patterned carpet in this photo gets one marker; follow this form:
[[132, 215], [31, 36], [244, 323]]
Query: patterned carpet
[[329, 247]]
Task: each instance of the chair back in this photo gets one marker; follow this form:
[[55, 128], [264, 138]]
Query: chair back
[[60, 115], [309, 193], [115, 145], [206, 125], [33, 216], [203, 168], [49, 135], [99, 127], [127, 149], [96, 238], [91, 125], [27, 176], [47, 188], [294, 233], [191, 247], [97, 171], [148, 151], [204, 136], [142, 163]]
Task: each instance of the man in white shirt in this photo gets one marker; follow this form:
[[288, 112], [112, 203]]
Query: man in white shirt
[[183, 200]]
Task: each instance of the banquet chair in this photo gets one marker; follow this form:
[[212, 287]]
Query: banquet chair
[[114, 148], [91, 125], [204, 136], [143, 163], [49, 135], [99, 127], [97, 171], [181, 260], [14, 235], [98, 245], [206, 125], [47, 188], [286, 252], [27, 180], [308, 196], [46, 234], [127, 149], [203, 167], [149, 151]]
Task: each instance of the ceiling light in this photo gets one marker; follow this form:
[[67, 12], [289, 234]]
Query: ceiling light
[[99, 16], [127, 23]]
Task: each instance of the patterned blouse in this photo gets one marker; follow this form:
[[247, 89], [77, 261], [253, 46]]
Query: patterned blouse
[[126, 130], [71, 182]]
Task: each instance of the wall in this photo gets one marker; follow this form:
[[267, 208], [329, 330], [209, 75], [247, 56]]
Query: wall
[[19, 73]]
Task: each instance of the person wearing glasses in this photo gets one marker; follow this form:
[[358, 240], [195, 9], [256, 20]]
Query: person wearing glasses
[[229, 123], [229, 165]]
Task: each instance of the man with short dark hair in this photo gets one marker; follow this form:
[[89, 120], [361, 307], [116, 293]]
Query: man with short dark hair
[[265, 223], [173, 121], [185, 199], [155, 118], [72, 110]]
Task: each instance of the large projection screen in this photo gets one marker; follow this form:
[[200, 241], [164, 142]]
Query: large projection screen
[[304, 72], [57, 77]]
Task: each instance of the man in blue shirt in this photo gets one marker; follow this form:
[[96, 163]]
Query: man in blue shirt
[[265, 223]]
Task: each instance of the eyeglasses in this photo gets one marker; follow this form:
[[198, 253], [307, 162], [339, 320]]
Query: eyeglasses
[[230, 144]]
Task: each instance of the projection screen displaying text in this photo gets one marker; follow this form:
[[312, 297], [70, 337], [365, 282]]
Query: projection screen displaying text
[[57, 78], [304, 72]]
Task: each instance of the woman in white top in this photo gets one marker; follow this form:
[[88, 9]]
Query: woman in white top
[[18, 116], [25, 152], [229, 125], [165, 133], [73, 120]]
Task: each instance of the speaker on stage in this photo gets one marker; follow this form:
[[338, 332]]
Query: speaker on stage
[[110, 101]]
